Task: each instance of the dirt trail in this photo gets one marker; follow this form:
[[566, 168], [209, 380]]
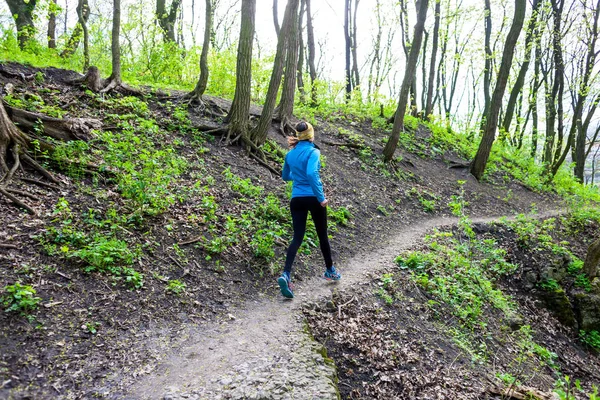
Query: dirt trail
[[264, 333]]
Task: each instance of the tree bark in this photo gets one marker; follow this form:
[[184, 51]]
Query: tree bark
[[258, 135], [355, 73], [300, 69], [52, 7], [22, 13], [592, 259], [200, 88], [348, 47], [239, 113], [115, 77], [83, 8], [83, 12], [276, 17], [409, 76], [434, 46], [487, 72], [489, 133], [285, 109], [518, 86], [310, 37], [167, 20]]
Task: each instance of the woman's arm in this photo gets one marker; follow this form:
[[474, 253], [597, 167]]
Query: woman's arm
[[286, 173], [312, 172]]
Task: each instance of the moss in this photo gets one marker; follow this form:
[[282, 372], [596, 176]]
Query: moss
[[557, 301]]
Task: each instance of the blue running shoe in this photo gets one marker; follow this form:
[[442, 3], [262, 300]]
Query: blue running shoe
[[332, 274], [285, 285]]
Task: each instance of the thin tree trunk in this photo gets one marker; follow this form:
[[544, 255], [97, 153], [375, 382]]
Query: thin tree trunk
[[487, 72], [310, 35], [409, 77], [259, 133], [355, 73], [285, 109], [300, 72], [239, 114], [52, 7], [348, 41], [81, 11], [489, 133], [276, 17], [434, 46], [518, 86], [200, 88], [167, 20], [73, 42]]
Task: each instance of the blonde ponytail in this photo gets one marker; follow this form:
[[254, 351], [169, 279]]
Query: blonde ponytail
[[292, 141]]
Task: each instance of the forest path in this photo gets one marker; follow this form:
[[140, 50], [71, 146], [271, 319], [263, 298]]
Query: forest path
[[262, 351]]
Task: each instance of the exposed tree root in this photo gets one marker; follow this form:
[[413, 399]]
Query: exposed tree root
[[91, 79], [40, 183], [350, 145]]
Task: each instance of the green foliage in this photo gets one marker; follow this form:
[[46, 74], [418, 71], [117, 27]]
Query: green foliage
[[427, 199], [340, 215], [175, 286], [19, 298], [591, 339], [242, 186], [550, 285]]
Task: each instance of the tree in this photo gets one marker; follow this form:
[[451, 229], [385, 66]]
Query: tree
[[581, 96], [166, 20], [518, 86], [276, 17], [592, 260], [434, 47], [285, 109], [409, 76], [52, 10], [491, 120], [352, 75], [198, 92], [310, 37], [300, 69], [487, 71], [22, 12], [115, 77], [83, 13], [259, 133], [239, 114]]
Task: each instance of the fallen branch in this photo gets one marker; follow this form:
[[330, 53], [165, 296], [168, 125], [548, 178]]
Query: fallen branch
[[8, 246], [522, 393], [40, 183], [194, 240], [350, 145]]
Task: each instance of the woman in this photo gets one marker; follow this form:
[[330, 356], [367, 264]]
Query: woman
[[302, 166]]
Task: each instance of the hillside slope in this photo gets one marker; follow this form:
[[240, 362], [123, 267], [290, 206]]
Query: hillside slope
[[174, 231]]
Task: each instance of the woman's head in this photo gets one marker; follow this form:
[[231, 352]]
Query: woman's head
[[304, 131]]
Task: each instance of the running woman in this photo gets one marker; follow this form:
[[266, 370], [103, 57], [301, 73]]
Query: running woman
[[301, 166]]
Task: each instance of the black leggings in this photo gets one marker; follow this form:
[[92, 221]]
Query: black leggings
[[300, 206]]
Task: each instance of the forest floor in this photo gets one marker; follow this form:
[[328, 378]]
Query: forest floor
[[208, 321]]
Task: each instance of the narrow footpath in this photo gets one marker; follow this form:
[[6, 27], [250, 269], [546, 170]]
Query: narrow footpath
[[263, 351]]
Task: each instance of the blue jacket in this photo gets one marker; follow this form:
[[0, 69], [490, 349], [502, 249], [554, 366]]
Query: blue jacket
[[302, 167]]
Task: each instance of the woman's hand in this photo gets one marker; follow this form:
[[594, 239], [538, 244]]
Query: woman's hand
[[324, 203]]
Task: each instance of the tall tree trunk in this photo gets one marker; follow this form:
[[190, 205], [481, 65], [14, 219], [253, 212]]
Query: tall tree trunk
[[259, 133], [487, 72], [285, 109], [409, 77], [348, 46], [74, 39], [355, 73], [489, 133], [276, 17], [559, 85], [581, 97], [82, 12], [200, 88], [166, 20], [115, 77], [239, 114], [301, 52], [22, 12], [518, 86], [434, 46], [310, 36], [52, 7]]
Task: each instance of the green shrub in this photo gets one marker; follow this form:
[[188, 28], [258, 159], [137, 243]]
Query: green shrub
[[19, 298]]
